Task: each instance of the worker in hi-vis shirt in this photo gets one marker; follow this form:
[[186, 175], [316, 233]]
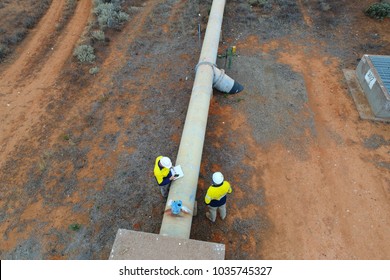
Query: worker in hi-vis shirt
[[163, 174], [216, 197]]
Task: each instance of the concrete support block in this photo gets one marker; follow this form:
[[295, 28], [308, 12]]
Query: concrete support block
[[136, 245]]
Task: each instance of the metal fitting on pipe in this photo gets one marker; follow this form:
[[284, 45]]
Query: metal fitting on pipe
[[224, 83], [221, 81]]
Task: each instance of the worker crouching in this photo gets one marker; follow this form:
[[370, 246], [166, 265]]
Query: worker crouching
[[216, 197]]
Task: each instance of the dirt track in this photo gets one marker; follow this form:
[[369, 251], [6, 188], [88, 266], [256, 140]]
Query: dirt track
[[32, 77], [311, 180]]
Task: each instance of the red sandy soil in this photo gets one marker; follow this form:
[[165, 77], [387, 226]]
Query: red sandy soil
[[331, 204]]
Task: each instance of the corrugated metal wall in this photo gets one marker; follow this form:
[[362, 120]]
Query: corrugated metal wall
[[382, 66]]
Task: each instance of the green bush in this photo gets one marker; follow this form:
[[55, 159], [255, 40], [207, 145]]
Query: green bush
[[98, 35], [122, 17], [94, 70], [75, 227], [109, 15], [378, 10], [85, 53]]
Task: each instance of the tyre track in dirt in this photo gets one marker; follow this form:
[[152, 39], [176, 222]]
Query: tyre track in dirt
[[102, 164], [31, 49], [100, 90], [25, 83]]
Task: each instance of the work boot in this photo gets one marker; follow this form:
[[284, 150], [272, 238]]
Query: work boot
[[209, 216], [222, 211], [212, 213], [165, 190]]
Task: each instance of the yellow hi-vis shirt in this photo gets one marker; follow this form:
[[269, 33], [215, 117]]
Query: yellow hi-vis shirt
[[160, 174], [217, 193]]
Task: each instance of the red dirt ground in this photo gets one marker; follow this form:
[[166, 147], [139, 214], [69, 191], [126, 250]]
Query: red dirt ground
[[332, 203]]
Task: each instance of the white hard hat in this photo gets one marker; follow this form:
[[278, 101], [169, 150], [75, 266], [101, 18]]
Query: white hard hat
[[166, 162], [217, 178]]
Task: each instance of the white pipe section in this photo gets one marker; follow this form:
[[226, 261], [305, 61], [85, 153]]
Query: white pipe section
[[191, 145]]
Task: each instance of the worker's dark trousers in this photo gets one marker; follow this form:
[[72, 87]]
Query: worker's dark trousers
[[165, 190]]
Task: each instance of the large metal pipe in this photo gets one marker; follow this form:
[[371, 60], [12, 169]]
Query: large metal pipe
[[191, 145]]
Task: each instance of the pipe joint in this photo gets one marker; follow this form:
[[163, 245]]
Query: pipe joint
[[221, 81], [205, 63]]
